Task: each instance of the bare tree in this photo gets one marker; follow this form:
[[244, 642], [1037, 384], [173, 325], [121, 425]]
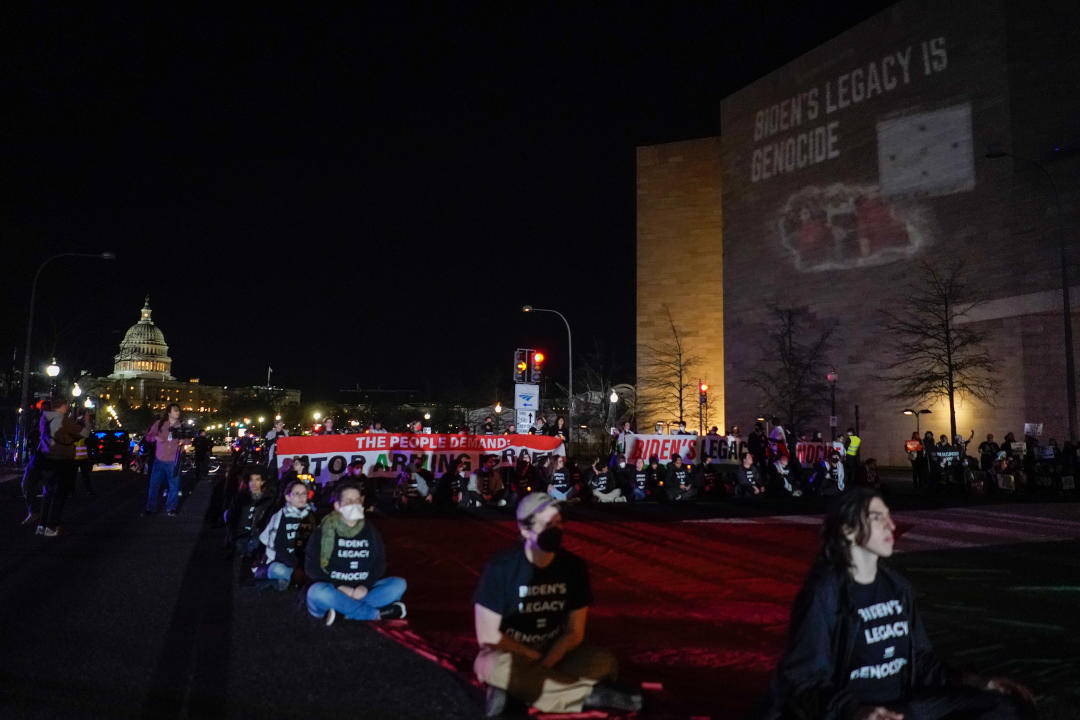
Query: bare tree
[[597, 371], [665, 381], [791, 373], [937, 354]]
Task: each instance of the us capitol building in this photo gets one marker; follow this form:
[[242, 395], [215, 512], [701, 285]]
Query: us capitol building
[[142, 375]]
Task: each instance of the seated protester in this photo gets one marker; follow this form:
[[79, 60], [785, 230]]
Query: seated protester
[[604, 487], [530, 611], [870, 475], [829, 479], [450, 488], [246, 519], [781, 479], [346, 558], [654, 489], [524, 479], [355, 473], [412, 490], [639, 480], [286, 534], [857, 647], [623, 476], [560, 485], [489, 485], [677, 481], [748, 480]]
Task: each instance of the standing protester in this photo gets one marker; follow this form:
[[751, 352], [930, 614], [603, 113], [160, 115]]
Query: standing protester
[[757, 445], [857, 647], [377, 428], [530, 612], [559, 429], [988, 451], [851, 457], [56, 450], [83, 465], [917, 457], [328, 427], [165, 436], [31, 479], [711, 447], [346, 558], [286, 534], [203, 447], [488, 428], [272, 435]]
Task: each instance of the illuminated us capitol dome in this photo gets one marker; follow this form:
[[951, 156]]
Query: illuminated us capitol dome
[[143, 352]]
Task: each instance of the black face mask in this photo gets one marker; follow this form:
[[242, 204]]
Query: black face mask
[[550, 539]]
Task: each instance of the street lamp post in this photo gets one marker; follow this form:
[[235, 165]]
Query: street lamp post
[[832, 376], [1070, 365], [918, 431], [24, 402], [569, 364]]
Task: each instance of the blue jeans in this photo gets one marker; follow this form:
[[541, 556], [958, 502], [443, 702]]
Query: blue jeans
[[163, 472], [323, 596], [279, 571]]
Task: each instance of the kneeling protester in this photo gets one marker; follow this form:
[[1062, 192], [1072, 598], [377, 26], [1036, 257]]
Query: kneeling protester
[[346, 558]]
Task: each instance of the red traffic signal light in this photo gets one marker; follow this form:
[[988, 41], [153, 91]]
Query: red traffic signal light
[[704, 388], [537, 361]]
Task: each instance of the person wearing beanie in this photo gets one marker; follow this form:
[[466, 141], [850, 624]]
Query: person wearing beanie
[[530, 611], [347, 559]]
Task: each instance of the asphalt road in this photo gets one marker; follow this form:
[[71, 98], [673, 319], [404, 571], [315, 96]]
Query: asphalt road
[[124, 616]]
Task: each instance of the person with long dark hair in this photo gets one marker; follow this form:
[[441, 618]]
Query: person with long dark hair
[[286, 534], [857, 647], [165, 435]]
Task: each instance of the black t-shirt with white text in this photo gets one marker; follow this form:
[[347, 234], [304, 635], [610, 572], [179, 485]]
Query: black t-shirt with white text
[[601, 482], [641, 479], [560, 480], [882, 645], [534, 602]]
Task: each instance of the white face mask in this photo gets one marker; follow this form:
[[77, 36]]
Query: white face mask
[[352, 513], [622, 465]]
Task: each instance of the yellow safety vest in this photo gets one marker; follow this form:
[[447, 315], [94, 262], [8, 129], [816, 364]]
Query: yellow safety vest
[[854, 442]]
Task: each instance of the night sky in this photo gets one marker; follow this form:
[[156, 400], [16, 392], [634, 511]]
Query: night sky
[[357, 197]]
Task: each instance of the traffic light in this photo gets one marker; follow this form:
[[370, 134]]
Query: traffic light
[[703, 393], [536, 372], [520, 365]]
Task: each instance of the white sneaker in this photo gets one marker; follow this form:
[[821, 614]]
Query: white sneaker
[[331, 616], [502, 503], [49, 532]]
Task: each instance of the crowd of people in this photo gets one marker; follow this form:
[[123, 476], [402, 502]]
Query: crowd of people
[[284, 530], [1008, 466]]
